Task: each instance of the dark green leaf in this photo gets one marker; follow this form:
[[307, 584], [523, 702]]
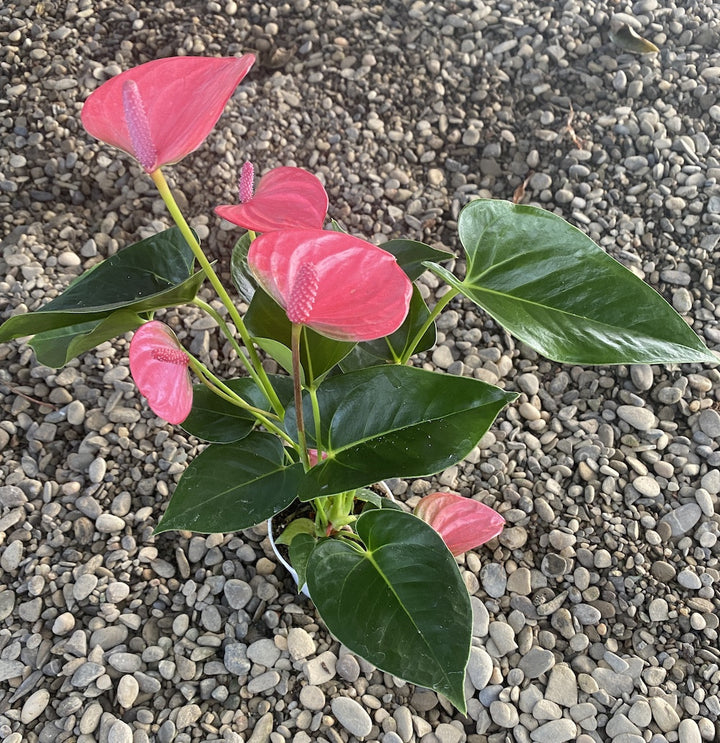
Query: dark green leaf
[[214, 419], [555, 289], [241, 274], [229, 487], [146, 276], [54, 348], [300, 549], [400, 602], [411, 255], [394, 421], [266, 320]]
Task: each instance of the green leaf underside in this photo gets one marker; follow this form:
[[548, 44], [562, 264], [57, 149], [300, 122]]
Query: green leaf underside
[[394, 421], [400, 603], [267, 322], [146, 276], [240, 272], [553, 288], [214, 419], [300, 550], [229, 487], [411, 255], [54, 348]]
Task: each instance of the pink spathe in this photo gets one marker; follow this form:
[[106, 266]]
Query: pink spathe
[[338, 285], [285, 198], [169, 108], [463, 523], [159, 366]]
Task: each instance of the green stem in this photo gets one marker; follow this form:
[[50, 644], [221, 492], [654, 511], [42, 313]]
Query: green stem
[[316, 421], [436, 310], [222, 390], [223, 326], [254, 367], [297, 388]]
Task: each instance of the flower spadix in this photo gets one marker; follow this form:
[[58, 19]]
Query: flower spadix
[[159, 366], [162, 110], [341, 286], [463, 523], [285, 198]]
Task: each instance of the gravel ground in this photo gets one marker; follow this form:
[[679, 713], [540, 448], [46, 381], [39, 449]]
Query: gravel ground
[[596, 610]]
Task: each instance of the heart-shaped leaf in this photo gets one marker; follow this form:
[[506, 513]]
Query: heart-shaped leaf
[[552, 287], [397, 600], [394, 421], [217, 420], [240, 272], [54, 348], [411, 255], [149, 275], [229, 487]]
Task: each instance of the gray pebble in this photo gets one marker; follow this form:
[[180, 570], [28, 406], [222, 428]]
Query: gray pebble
[[34, 706], [641, 419], [264, 652], [536, 662], [300, 644], [120, 732], [682, 518], [351, 716], [504, 714], [237, 592], [480, 667], [493, 579]]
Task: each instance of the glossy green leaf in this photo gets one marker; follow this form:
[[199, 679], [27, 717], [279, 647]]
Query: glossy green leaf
[[411, 255], [394, 421], [217, 420], [149, 275], [396, 346], [267, 322], [54, 348], [300, 550], [229, 487], [240, 272], [553, 288], [399, 602]]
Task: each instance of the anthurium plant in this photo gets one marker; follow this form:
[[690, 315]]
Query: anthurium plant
[[344, 319]]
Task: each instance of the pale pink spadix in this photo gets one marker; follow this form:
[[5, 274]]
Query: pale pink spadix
[[285, 198], [303, 294], [245, 186], [159, 366], [340, 286], [138, 126], [169, 108], [463, 523]]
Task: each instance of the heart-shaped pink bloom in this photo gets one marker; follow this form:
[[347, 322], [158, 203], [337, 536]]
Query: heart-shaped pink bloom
[[159, 366], [285, 198], [162, 110], [342, 287], [463, 523]]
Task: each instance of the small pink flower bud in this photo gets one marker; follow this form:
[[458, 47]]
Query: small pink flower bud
[[159, 366]]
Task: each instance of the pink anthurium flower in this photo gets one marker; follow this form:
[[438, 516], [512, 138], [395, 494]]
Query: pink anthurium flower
[[162, 110], [342, 287], [285, 198], [159, 366], [463, 523]]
